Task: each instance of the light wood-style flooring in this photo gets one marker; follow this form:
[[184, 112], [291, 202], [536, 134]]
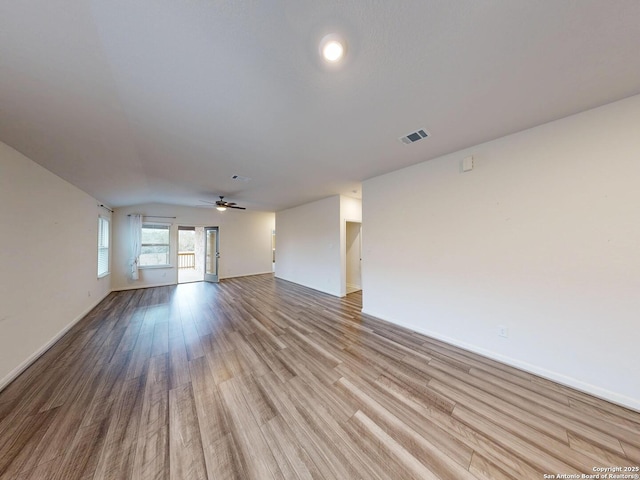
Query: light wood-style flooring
[[257, 378]]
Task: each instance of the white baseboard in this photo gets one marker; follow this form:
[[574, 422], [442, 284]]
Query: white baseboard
[[334, 294], [247, 275], [167, 284], [38, 353], [136, 287], [558, 377]]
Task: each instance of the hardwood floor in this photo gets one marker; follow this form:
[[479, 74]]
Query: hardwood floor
[[258, 378]]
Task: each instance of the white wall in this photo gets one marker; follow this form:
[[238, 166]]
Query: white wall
[[312, 241], [543, 237], [245, 242], [48, 260], [309, 249]]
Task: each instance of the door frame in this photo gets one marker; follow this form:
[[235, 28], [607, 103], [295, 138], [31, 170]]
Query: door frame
[[212, 277], [357, 225]]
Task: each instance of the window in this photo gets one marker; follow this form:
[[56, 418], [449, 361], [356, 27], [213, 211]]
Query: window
[[155, 245], [103, 246]]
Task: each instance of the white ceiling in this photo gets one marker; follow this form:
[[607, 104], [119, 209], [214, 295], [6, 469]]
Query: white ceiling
[[162, 101]]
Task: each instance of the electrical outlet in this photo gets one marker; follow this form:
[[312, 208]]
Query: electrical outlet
[[503, 331]]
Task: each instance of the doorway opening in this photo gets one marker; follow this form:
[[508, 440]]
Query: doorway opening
[[354, 256], [190, 254], [273, 250], [211, 254]]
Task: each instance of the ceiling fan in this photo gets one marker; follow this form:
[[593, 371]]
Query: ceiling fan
[[221, 205]]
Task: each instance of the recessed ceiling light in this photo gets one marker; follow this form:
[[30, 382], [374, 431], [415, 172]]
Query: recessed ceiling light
[[333, 51], [332, 48]]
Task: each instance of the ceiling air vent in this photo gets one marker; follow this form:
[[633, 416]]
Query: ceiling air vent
[[414, 136], [240, 178]]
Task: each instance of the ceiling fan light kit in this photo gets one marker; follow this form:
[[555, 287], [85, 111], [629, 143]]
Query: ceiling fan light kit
[[221, 205]]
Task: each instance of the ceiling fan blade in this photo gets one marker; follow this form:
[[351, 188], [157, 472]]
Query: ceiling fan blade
[[222, 203]]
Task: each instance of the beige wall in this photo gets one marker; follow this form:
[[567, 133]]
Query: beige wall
[[542, 237], [312, 243], [308, 250], [48, 259], [245, 242]]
